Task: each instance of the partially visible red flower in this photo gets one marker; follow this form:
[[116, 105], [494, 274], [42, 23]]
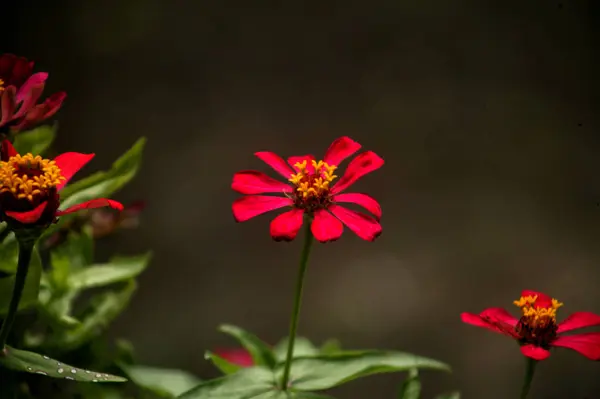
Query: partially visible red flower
[[537, 330], [30, 186], [310, 190], [20, 91], [237, 356], [105, 221]]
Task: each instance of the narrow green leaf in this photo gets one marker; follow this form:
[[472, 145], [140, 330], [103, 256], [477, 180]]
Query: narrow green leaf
[[117, 269], [248, 383], [165, 382], [261, 352], [31, 289], [223, 365], [35, 141], [449, 395], [327, 371], [302, 347], [411, 389], [35, 363]]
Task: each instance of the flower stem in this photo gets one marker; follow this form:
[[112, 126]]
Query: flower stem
[[308, 239], [25, 251], [529, 370]]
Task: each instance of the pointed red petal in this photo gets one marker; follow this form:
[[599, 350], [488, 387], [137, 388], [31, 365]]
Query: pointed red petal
[[285, 227], [240, 357], [34, 83], [494, 319], [340, 149], [30, 216], [247, 207], [542, 301], [69, 163], [535, 352], [364, 200], [276, 162], [578, 320], [588, 344], [362, 225], [7, 104], [7, 150], [326, 227], [95, 203], [363, 164], [253, 182], [53, 103], [301, 158]]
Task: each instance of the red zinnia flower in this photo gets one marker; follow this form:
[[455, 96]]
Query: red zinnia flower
[[19, 93], [238, 356], [537, 330], [311, 191], [29, 186]]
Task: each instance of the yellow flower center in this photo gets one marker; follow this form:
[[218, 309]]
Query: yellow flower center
[[29, 177], [312, 184], [538, 315], [1, 85]]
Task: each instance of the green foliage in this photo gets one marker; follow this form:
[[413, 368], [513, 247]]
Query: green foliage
[[35, 363], [31, 289], [450, 395], [35, 141], [411, 388], [261, 353], [168, 383]]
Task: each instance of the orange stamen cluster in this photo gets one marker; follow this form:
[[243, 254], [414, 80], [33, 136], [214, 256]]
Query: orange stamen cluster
[[1, 85], [29, 177], [313, 184], [535, 314]]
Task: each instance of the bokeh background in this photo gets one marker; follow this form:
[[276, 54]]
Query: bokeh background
[[486, 113]]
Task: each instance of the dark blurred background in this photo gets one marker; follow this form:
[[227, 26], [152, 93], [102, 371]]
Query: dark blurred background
[[486, 113]]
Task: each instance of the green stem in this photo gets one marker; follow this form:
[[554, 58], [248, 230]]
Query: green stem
[[308, 239], [25, 251], [529, 371]]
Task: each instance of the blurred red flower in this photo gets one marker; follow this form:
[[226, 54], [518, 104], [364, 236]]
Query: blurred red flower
[[310, 190], [30, 186], [20, 91], [537, 330], [237, 356]]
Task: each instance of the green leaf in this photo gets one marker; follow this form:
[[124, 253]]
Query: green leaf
[[30, 362], [261, 353], [30, 290], [411, 389], [9, 251], [302, 347], [223, 365], [327, 371], [104, 308], [331, 346], [35, 141], [165, 382], [117, 269], [449, 395]]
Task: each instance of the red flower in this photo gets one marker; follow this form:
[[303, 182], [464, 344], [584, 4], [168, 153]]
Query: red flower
[[240, 357], [30, 186], [311, 192], [19, 92], [537, 330]]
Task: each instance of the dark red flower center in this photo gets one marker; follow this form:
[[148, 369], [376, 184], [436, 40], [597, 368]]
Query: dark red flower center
[[312, 185], [538, 325]]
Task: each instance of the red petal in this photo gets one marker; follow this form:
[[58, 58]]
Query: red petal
[[588, 344], [578, 320], [253, 182], [535, 352], [364, 200], [240, 357], [7, 104], [69, 163], [542, 301], [364, 163], [364, 226], [276, 162], [7, 150], [495, 319], [35, 81], [27, 101], [301, 158], [53, 103], [340, 149], [95, 203], [326, 227], [30, 216], [247, 207], [285, 226]]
